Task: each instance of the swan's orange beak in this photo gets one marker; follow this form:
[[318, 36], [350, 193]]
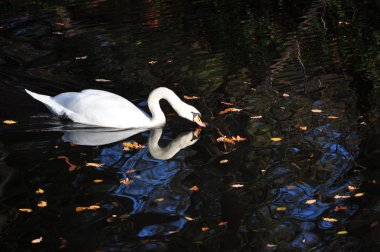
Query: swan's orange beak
[[197, 132], [197, 120]]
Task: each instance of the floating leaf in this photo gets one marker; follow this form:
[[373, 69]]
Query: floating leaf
[[329, 219], [316, 110], [342, 196], [92, 207], [237, 185], [38, 240], [227, 103], [152, 62], [27, 210], [229, 110], [358, 194], [126, 181], [97, 180], [191, 97], [194, 188], [102, 80], [285, 95], [42, 204], [231, 140], [239, 139], [256, 117], [343, 232], [39, 191], [9, 122], [188, 218], [340, 208], [281, 209], [311, 201], [276, 139], [332, 117], [303, 128], [222, 223], [205, 229], [159, 199], [224, 161], [130, 146], [352, 187], [94, 164]]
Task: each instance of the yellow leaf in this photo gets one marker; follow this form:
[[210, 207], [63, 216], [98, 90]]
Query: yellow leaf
[[311, 201], [9, 122], [38, 240], [190, 97], [97, 180], [276, 139], [343, 232], [39, 191], [229, 110], [194, 188], [159, 199], [281, 209], [237, 185], [42, 203], [94, 164], [332, 117], [27, 210], [316, 110], [329, 219], [129, 146], [93, 207], [224, 161], [358, 194]]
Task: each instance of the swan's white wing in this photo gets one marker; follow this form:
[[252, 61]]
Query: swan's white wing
[[102, 108]]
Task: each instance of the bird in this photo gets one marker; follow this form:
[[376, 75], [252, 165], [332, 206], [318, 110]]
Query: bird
[[106, 109]]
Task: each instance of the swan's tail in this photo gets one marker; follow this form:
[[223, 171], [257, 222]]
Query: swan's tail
[[50, 103]]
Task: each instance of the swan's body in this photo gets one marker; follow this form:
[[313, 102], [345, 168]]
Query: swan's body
[[102, 108]]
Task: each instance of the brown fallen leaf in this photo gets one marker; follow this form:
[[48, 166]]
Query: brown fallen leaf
[[191, 97], [94, 164], [303, 128], [194, 188], [38, 240], [332, 117], [239, 139], [152, 62], [352, 187], [92, 207], [188, 218], [9, 122], [42, 204], [229, 110]]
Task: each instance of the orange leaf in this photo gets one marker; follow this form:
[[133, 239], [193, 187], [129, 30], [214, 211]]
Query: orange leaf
[[27, 210], [194, 188], [191, 97], [188, 218], [227, 103], [239, 139], [97, 180], [205, 228], [311, 201], [352, 187], [304, 128], [126, 181], [129, 146], [332, 117], [9, 122], [229, 110], [94, 164], [72, 167], [39, 191], [42, 204], [340, 208]]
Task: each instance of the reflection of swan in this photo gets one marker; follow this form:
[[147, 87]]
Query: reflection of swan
[[180, 142], [94, 137], [105, 109]]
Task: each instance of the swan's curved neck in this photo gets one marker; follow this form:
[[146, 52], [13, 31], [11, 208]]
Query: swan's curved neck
[[158, 117]]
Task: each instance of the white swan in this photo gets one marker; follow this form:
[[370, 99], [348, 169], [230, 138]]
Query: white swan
[[105, 109]]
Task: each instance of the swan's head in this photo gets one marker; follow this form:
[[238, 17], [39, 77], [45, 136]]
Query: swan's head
[[192, 114]]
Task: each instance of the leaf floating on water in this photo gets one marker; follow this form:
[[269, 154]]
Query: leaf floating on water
[[281, 209], [229, 110], [97, 180], [311, 201], [224, 161], [81, 57], [276, 139], [39, 191], [126, 181], [159, 199], [256, 117], [343, 232], [38, 240], [102, 80], [152, 62], [316, 110], [226, 103], [191, 97], [303, 128], [42, 204], [222, 223], [26, 210], [342, 196], [194, 188], [332, 117], [94, 164], [231, 140], [239, 139], [329, 219], [285, 95], [188, 218], [340, 208], [132, 146], [9, 122], [350, 187], [205, 229], [92, 207], [237, 185], [359, 195]]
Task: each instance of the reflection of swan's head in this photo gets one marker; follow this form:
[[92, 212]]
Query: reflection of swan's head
[[180, 142]]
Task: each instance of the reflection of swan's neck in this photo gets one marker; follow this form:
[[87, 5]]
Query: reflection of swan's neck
[[158, 117], [181, 141]]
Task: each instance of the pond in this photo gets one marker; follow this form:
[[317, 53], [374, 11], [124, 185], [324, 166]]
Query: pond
[[288, 162]]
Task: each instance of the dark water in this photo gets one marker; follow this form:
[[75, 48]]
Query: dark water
[[316, 189]]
